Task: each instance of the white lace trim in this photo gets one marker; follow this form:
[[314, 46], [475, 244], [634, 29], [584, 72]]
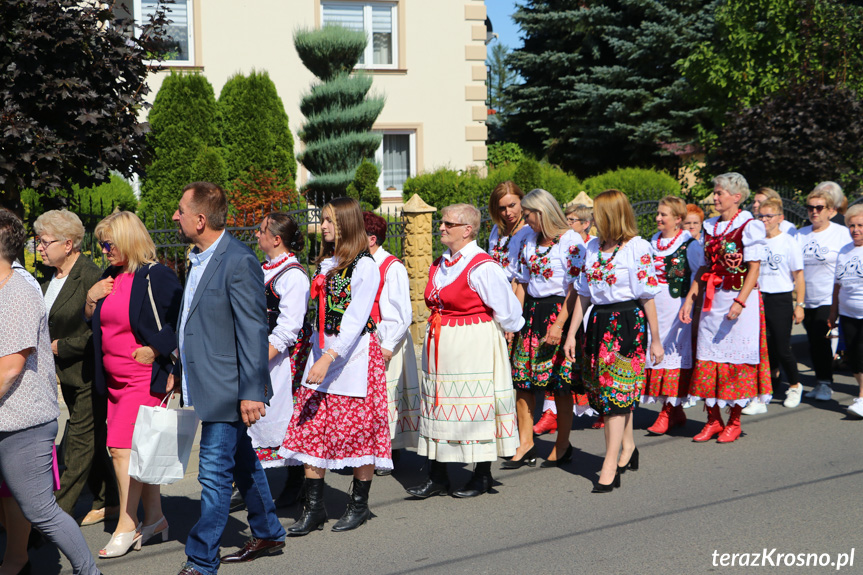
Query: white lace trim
[[296, 458], [743, 402], [648, 399], [577, 410]]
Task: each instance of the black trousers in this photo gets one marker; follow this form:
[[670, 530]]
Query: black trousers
[[86, 457], [779, 318], [820, 349], [853, 329]]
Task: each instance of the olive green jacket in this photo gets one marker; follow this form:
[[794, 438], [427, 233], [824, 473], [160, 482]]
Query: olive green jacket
[[74, 359]]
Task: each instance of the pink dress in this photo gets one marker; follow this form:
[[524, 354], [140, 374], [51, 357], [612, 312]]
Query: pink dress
[[128, 380]]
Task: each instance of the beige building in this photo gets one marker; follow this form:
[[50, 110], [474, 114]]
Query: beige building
[[427, 57]]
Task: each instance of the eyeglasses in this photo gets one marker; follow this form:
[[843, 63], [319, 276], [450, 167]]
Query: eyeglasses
[[767, 216], [45, 244], [817, 209], [574, 220], [107, 246], [451, 225]]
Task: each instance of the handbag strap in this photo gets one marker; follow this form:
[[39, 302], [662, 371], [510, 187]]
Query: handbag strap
[[153, 301]]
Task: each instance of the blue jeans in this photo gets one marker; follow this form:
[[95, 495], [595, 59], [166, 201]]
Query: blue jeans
[[227, 455]]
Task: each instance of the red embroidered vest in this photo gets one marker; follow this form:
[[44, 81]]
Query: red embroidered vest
[[458, 303], [725, 257], [385, 266]]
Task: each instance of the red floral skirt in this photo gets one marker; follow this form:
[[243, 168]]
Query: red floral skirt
[[731, 383], [332, 431], [664, 384]]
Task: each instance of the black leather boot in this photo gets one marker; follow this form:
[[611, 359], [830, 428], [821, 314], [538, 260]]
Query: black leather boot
[[293, 489], [358, 511], [314, 513], [436, 484], [479, 483]]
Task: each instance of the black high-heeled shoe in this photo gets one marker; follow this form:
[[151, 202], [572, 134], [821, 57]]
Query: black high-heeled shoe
[[633, 463], [529, 459], [567, 457], [602, 488]]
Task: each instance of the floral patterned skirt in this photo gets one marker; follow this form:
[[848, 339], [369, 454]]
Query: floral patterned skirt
[[534, 363], [332, 431], [666, 385], [615, 349]]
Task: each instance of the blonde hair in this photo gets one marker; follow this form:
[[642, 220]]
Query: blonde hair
[[551, 218], [676, 205], [467, 214], [769, 193], [854, 211], [581, 211], [130, 238], [775, 203], [613, 217], [500, 191], [63, 225], [823, 195], [733, 183], [350, 234]]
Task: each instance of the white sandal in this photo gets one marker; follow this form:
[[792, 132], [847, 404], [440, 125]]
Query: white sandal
[[120, 544]]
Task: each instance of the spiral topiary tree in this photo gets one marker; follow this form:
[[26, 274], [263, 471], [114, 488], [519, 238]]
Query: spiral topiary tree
[[339, 110]]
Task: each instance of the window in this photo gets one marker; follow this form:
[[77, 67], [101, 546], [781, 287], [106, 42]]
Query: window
[[179, 38], [377, 19], [397, 157]]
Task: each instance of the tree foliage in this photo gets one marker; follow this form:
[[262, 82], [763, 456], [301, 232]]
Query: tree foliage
[[339, 110], [798, 137], [72, 83], [364, 188], [183, 136], [761, 47], [500, 78], [259, 190], [253, 127], [600, 87], [637, 183]]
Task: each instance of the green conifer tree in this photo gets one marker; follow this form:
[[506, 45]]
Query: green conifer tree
[[339, 110], [183, 127]]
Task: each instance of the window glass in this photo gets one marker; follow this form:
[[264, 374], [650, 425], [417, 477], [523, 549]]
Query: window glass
[[376, 19], [382, 34], [178, 32], [397, 160]]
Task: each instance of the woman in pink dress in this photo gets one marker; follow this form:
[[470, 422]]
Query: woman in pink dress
[[133, 337]]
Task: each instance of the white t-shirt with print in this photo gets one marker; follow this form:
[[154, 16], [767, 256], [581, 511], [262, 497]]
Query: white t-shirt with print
[[849, 278], [820, 250], [782, 256]]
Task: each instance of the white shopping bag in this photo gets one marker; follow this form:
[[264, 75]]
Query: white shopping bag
[[161, 443]]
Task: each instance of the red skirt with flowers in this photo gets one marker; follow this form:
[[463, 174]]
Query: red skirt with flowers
[[615, 349], [667, 385], [332, 431], [733, 383]]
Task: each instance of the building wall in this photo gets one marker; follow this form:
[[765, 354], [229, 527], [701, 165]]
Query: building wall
[[438, 90]]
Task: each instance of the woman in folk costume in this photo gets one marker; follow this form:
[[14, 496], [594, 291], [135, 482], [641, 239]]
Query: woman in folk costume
[[731, 365], [467, 399], [618, 278], [286, 286], [393, 315], [548, 263], [677, 257], [509, 231], [340, 419]]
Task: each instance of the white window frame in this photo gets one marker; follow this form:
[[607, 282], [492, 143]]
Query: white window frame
[[190, 11], [369, 55], [412, 155]]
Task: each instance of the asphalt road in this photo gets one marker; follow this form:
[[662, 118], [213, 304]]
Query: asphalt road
[[791, 483]]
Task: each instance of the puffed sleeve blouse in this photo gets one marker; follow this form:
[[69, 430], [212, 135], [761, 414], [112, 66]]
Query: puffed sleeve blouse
[[548, 271], [506, 249], [629, 275]]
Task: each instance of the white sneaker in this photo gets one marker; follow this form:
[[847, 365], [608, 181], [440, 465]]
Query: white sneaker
[[792, 396], [689, 403], [823, 392], [856, 408], [754, 408]]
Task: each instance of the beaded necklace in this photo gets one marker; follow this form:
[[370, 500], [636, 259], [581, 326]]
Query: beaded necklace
[[660, 247], [606, 263], [274, 264], [452, 262], [727, 227]]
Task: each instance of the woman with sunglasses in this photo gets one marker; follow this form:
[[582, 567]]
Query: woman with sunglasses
[[509, 230], [133, 343], [467, 403], [821, 243], [782, 290], [731, 365]]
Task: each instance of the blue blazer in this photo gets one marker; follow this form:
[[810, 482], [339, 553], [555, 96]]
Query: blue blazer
[[167, 293], [225, 335]]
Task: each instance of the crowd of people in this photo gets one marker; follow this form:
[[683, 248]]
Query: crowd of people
[[593, 325]]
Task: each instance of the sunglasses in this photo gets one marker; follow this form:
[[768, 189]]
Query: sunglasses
[[817, 209], [451, 225], [107, 246]]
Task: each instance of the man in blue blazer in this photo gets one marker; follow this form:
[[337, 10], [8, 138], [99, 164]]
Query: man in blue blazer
[[223, 373]]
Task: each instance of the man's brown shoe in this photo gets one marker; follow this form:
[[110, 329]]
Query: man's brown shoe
[[253, 549], [99, 515]]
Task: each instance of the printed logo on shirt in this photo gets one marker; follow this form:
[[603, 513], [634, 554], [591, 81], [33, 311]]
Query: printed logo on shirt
[[814, 250], [772, 261], [853, 270]]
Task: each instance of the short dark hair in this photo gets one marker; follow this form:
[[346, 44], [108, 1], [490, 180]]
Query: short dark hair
[[12, 235], [375, 226], [210, 200]]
